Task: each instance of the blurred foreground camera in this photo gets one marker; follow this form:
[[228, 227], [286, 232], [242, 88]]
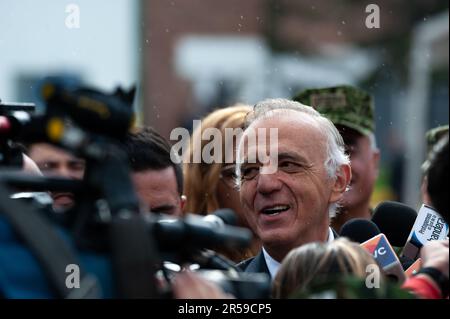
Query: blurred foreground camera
[[106, 226]]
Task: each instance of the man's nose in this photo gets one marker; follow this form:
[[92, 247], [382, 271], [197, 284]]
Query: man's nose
[[268, 183]]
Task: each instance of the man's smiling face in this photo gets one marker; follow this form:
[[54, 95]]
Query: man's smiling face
[[290, 206]]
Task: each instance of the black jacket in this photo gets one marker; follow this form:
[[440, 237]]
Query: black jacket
[[255, 264], [258, 263]]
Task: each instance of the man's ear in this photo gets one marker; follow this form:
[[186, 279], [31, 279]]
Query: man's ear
[[340, 184]]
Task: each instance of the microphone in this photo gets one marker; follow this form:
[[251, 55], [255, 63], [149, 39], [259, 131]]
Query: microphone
[[429, 225], [359, 230], [395, 220], [219, 219], [193, 231], [222, 217], [385, 256]]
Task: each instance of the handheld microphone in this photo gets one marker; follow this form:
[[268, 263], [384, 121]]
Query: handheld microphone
[[428, 226], [359, 230], [385, 256], [395, 220]]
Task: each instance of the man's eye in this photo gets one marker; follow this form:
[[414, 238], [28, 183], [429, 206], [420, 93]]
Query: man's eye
[[228, 173], [250, 172], [78, 166], [48, 166], [289, 166]]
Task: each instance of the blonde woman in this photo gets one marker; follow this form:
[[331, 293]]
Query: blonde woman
[[211, 186]]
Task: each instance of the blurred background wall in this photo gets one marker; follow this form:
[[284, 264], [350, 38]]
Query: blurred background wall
[[35, 41]]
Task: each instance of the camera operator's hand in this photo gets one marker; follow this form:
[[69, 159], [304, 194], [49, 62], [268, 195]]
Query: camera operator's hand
[[435, 254], [188, 285]]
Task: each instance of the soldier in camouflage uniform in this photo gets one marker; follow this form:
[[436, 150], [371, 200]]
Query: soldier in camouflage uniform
[[352, 112]]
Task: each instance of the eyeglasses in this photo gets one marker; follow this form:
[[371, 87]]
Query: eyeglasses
[[228, 175]]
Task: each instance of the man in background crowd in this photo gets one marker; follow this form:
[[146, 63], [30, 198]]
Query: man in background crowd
[[432, 280], [432, 137], [54, 161], [157, 180], [352, 111]]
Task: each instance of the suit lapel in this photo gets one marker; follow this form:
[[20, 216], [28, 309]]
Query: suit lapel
[[258, 264]]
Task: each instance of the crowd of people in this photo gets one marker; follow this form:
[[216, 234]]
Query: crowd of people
[[327, 164]]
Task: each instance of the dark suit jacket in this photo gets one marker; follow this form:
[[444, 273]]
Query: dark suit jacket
[[258, 263], [255, 264]]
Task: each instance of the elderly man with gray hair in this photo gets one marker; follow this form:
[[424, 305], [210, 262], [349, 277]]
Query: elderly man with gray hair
[[292, 205]]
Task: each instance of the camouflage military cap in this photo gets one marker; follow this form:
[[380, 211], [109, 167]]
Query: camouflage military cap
[[343, 105], [435, 134]]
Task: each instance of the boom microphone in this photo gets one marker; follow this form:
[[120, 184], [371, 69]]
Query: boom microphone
[[395, 220]]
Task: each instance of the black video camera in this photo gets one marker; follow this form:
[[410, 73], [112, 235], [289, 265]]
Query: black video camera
[[107, 216], [10, 152]]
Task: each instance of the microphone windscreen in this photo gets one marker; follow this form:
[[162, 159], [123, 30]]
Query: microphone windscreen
[[227, 215], [359, 230], [395, 220]]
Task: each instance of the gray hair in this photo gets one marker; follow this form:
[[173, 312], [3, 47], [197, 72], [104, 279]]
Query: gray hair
[[336, 155]]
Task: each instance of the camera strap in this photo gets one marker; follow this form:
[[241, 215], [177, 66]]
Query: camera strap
[[50, 249]]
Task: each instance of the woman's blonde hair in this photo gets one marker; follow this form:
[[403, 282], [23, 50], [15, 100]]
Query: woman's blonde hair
[[201, 179], [316, 261]]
